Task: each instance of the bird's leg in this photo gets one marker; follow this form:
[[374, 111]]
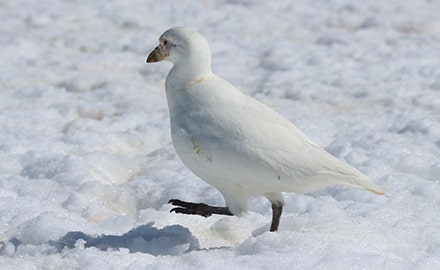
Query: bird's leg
[[277, 201], [277, 209], [198, 209]]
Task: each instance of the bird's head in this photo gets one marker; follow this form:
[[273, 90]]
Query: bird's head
[[181, 44]]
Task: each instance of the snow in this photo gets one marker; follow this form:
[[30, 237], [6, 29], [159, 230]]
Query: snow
[[87, 165]]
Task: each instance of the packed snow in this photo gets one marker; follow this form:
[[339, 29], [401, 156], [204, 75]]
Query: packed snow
[[87, 165]]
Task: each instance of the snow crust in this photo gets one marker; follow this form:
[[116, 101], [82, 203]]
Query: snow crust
[[87, 166]]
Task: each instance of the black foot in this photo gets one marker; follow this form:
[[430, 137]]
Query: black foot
[[200, 209]]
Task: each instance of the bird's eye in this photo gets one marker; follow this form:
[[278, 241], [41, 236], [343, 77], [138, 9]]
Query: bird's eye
[[165, 42]]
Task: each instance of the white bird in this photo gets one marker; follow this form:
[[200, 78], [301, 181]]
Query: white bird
[[235, 143]]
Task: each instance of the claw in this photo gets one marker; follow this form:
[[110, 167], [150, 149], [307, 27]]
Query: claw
[[180, 203], [178, 210], [172, 201]]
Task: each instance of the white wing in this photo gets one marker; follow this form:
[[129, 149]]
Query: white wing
[[270, 153]]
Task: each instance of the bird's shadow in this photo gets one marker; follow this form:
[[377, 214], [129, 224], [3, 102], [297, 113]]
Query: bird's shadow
[[170, 240]]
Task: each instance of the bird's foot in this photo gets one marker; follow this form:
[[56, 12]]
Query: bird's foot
[[200, 209]]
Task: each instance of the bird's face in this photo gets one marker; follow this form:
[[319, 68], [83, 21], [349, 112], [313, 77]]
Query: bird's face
[[161, 52], [185, 48]]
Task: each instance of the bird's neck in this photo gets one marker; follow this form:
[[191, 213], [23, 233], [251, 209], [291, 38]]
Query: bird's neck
[[189, 70]]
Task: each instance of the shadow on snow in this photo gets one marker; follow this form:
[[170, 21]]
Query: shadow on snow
[[170, 240]]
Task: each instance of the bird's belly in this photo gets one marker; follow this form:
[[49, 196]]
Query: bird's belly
[[199, 154], [196, 154], [222, 165]]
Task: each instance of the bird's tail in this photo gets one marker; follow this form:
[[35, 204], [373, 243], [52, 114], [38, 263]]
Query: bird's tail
[[362, 182], [373, 187], [326, 179]]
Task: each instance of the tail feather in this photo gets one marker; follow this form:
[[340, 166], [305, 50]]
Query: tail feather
[[378, 190], [364, 183], [322, 180]]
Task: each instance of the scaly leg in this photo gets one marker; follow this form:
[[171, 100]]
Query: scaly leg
[[207, 210], [277, 209]]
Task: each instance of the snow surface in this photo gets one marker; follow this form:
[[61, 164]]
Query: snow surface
[[87, 166]]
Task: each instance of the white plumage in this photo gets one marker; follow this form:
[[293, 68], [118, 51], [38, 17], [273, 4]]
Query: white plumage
[[234, 142]]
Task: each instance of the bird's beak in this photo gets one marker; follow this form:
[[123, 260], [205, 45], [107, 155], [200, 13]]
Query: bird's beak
[[155, 56]]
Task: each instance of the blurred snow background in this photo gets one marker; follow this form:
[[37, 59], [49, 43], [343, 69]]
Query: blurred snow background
[[87, 166]]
